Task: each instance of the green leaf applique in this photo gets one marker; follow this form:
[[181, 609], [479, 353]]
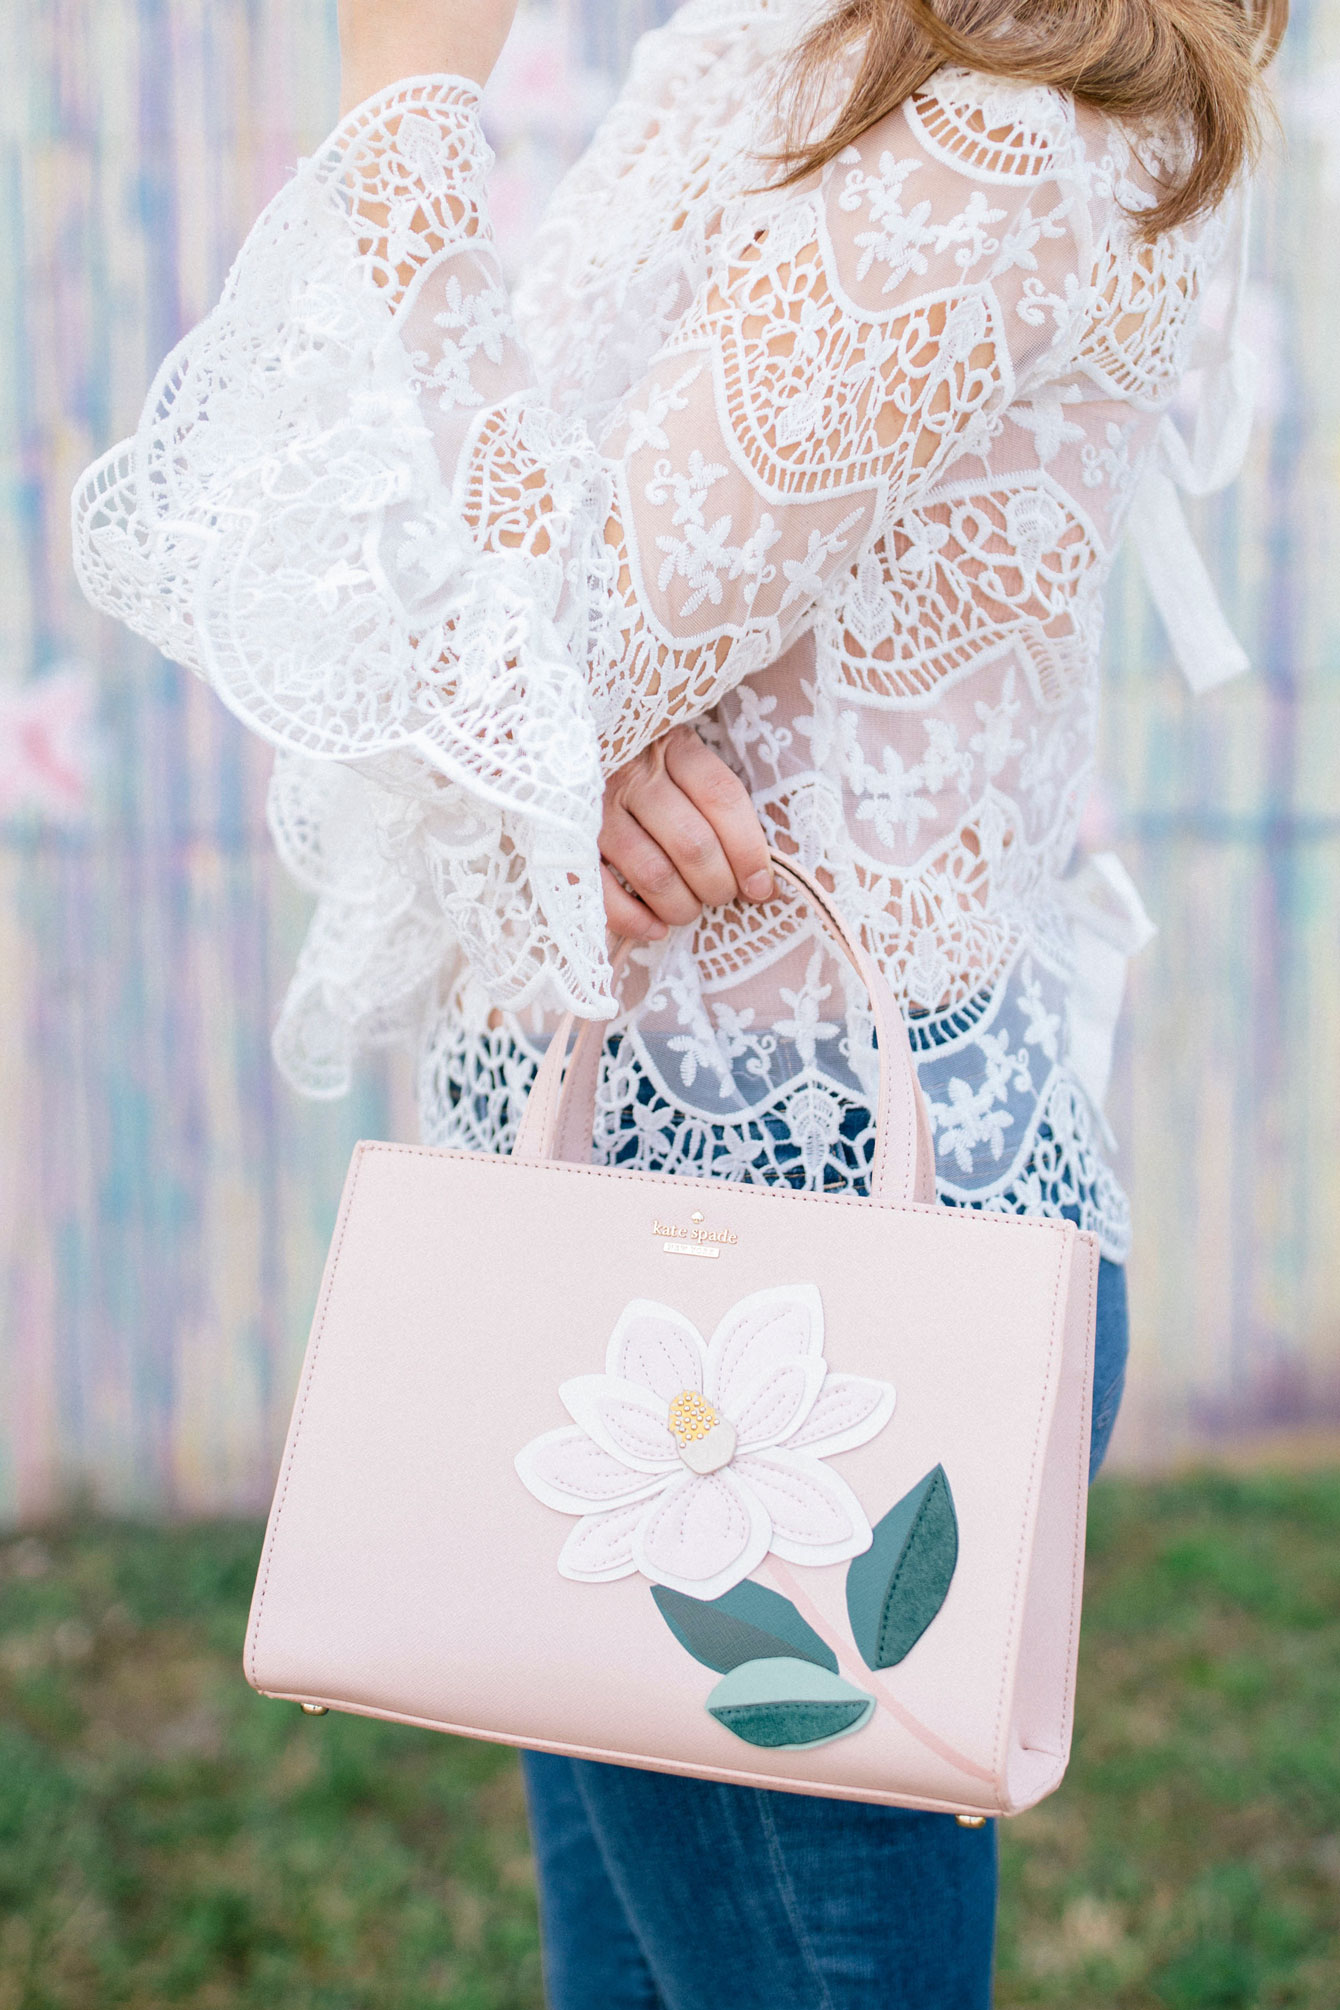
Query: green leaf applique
[[897, 1586], [747, 1623], [785, 1704]]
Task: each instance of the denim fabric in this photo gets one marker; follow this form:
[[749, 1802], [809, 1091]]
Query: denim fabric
[[661, 1893], [1111, 1342]]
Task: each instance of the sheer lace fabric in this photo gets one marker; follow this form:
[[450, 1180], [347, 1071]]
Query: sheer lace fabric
[[837, 472]]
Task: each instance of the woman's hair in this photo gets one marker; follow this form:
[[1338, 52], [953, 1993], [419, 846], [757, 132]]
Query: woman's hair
[[1181, 67]]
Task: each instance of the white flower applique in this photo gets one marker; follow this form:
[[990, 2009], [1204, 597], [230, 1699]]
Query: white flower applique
[[690, 1461]]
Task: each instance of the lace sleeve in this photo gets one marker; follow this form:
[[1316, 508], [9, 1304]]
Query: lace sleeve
[[348, 507]]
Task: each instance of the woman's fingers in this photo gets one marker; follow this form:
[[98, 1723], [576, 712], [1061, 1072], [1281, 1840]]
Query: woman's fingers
[[681, 831], [677, 828], [717, 792], [626, 914], [637, 857]]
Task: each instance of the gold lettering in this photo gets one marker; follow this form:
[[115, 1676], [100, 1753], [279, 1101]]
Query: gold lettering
[[670, 1231]]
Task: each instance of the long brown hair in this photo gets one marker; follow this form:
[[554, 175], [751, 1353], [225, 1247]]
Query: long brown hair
[[1189, 66]]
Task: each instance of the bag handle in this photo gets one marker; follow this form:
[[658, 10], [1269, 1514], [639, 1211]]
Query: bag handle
[[560, 1111]]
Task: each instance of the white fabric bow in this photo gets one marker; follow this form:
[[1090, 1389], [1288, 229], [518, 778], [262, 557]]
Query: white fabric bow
[[1207, 650]]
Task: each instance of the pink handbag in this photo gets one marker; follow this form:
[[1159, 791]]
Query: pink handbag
[[760, 1485]]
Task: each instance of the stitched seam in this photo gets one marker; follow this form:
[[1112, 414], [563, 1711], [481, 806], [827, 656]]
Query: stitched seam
[[779, 1406], [667, 1360], [788, 1896], [786, 1486], [877, 990], [621, 1408], [728, 1713], [824, 1426], [290, 1456], [654, 1762], [1081, 1475], [594, 1457], [743, 1339], [685, 1486], [752, 1194], [884, 1626], [1010, 1634]]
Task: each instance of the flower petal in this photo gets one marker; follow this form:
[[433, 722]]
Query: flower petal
[[656, 1347], [627, 1420], [816, 1518], [569, 1471], [779, 1403], [761, 1333], [601, 1546], [703, 1536], [848, 1411]]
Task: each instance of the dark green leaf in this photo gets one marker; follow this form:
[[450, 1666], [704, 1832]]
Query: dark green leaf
[[781, 1703], [896, 1588], [747, 1623]]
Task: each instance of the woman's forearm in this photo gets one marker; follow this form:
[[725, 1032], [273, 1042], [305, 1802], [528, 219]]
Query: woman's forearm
[[384, 40]]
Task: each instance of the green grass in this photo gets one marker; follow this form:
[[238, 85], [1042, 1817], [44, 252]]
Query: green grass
[[1192, 1859], [167, 1838]]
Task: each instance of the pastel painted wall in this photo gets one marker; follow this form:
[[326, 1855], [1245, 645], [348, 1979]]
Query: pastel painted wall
[[164, 1201], [1226, 810]]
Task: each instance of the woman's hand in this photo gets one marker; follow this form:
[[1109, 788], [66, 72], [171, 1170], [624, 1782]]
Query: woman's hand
[[680, 829], [384, 40]]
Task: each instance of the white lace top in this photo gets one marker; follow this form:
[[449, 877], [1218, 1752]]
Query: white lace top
[[837, 472]]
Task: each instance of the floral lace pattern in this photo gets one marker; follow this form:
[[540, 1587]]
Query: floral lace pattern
[[837, 472]]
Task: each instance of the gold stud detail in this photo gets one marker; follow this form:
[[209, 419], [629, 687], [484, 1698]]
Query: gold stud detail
[[314, 1709], [690, 1416], [971, 1821]]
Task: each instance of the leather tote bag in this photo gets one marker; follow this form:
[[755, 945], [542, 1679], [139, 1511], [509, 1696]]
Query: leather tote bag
[[739, 1481]]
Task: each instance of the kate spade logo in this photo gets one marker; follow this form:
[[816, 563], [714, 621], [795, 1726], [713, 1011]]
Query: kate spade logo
[[695, 1239]]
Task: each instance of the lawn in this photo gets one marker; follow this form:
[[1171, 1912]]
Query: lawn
[[167, 1838]]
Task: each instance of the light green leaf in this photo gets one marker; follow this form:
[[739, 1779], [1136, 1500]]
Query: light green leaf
[[786, 1704]]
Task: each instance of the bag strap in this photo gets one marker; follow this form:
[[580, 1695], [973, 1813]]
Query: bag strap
[[560, 1111]]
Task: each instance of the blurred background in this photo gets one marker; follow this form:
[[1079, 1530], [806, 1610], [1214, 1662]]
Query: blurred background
[[165, 1201], [165, 1837]]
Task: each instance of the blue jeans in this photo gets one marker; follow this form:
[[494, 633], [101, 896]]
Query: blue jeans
[[661, 1893]]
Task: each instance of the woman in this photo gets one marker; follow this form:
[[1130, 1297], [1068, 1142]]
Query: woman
[[776, 509]]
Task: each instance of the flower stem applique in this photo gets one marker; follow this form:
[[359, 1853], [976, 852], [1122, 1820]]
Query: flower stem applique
[[783, 1685], [691, 1461], [782, 1688]]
